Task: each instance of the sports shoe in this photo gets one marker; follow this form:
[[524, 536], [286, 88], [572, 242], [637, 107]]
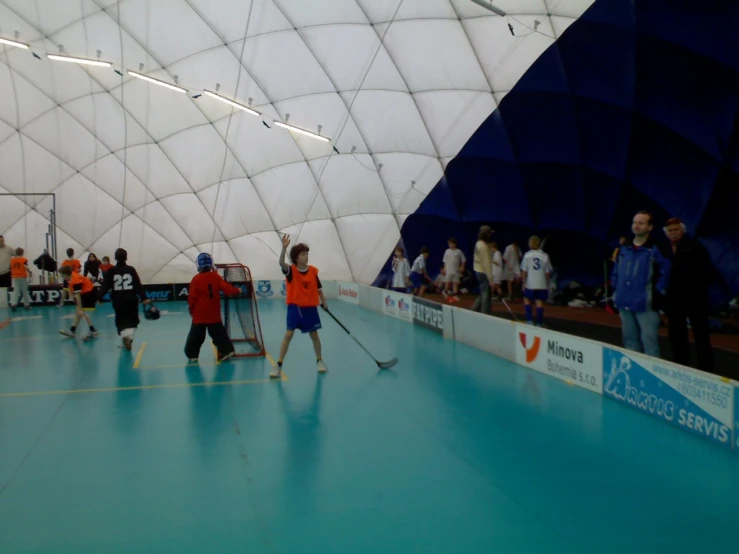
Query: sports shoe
[[89, 336], [226, 356], [67, 333], [322, 367], [192, 360], [276, 373], [127, 343]]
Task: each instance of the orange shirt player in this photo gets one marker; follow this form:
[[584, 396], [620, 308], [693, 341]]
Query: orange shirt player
[[74, 263], [204, 302], [304, 294], [85, 296]]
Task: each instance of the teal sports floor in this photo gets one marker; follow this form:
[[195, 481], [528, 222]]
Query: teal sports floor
[[452, 451]]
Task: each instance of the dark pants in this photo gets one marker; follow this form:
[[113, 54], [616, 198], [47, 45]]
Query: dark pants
[[196, 338], [678, 336], [127, 315], [482, 302]]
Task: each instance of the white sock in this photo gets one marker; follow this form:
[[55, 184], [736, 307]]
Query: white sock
[[128, 333]]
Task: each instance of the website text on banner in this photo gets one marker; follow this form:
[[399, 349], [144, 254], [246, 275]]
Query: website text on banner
[[348, 292], [428, 314], [570, 359], [694, 401], [398, 305]]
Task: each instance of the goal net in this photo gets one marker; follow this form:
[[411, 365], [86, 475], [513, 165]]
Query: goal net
[[240, 313]]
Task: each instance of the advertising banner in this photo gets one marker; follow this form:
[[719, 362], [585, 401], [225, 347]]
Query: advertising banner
[[398, 305], [736, 418], [428, 314], [347, 292], [565, 357], [696, 402], [160, 293]]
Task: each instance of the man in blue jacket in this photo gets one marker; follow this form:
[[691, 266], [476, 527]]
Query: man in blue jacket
[[640, 278]]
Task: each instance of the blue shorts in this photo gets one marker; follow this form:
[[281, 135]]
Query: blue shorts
[[536, 294], [416, 279], [305, 319]]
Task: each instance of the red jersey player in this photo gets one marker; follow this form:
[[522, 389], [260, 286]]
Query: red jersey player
[[204, 302]]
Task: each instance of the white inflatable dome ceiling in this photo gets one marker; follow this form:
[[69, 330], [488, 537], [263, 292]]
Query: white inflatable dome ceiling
[[396, 86]]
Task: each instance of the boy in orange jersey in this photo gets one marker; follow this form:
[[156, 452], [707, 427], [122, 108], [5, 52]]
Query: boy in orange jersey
[[20, 274], [304, 294], [75, 264], [86, 297], [204, 302]]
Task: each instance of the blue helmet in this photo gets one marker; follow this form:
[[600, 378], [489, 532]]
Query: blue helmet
[[204, 260]]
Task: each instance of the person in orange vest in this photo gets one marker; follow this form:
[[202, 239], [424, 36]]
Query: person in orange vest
[[20, 274], [73, 263], [304, 295], [85, 296]]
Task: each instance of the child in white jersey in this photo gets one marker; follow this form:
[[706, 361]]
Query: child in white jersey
[[419, 275], [497, 269], [535, 271], [453, 268], [401, 271]]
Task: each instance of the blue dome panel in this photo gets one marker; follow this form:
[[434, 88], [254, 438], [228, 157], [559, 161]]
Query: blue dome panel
[[636, 106]]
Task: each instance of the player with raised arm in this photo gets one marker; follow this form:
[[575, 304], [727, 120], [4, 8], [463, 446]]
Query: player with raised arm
[[85, 296], [204, 303], [304, 294], [535, 272], [126, 289]]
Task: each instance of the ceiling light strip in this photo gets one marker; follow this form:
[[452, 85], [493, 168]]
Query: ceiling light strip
[[231, 103], [13, 43], [156, 81], [301, 131], [81, 61]]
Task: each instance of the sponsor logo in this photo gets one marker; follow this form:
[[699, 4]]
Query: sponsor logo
[[428, 314], [158, 295], [699, 403], [531, 351], [389, 302], [264, 289], [347, 292], [567, 358]]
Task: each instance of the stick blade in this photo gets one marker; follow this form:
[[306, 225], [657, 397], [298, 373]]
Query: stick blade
[[388, 364]]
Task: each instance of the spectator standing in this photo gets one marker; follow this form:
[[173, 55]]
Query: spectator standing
[[482, 265], [691, 277], [640, 278], [6, 252]]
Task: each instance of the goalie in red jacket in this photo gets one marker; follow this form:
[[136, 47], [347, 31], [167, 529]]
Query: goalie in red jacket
[[204, 302]]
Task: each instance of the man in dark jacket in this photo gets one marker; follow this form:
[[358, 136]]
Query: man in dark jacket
[[691, 276], [640, 278]]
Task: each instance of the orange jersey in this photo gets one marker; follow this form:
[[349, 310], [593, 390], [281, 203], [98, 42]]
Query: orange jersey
[[80, 283], [302, 287], [76, 265], [106, 267], [18, 269]]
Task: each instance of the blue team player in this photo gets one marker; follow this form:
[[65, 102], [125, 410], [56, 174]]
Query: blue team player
[[535, 272]]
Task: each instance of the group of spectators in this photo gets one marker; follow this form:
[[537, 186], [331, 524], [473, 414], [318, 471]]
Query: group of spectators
[[648, 283]]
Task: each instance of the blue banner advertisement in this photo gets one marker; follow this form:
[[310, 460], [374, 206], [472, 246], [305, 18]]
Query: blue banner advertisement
[[696, 402]]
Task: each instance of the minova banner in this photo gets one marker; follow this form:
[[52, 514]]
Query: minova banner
[[397, 305], [428, 314], [697, 402], [348, 292], [565, 357]]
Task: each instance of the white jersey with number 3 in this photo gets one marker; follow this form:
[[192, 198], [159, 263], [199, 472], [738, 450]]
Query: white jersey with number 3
[[537, 266]]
